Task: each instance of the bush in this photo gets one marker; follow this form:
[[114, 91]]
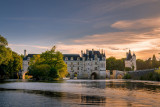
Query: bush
[[128, 69], [127, 76], [155, 76]]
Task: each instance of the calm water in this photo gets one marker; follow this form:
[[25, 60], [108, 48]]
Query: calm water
[[80, 93]]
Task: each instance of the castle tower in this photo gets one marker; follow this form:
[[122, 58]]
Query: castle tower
[[130, 61]]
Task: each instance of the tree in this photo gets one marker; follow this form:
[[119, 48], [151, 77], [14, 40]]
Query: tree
[[148, 64], [154, 62], [115, 64], [50, 64], [15, 65], [140, 64], [10, 62], [3, 41]]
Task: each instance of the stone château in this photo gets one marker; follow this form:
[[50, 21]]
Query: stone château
[[89, 65]]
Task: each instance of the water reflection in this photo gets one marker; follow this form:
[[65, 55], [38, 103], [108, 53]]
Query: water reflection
[[77, 93], [93, 100]]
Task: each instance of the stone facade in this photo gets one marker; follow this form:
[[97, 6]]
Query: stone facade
[[130, 61], [90, 65], [25, 65]]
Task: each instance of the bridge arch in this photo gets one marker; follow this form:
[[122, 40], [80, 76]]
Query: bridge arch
[[23, 74], [119, 74], [94, 76]]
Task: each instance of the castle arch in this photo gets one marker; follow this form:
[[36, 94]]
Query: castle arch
[[93, 75]]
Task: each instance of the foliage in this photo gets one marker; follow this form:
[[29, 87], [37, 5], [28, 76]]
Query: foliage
[[48, 65], [128, 69], [155, 76], [115, 64], [127, 76], [10, 62], [148, 64], [75, 74], [119, 64], [3, 41]]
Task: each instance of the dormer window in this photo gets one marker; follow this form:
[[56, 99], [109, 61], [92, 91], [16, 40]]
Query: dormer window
[[78, 58], [96, 57], [28, 58], [66, 58], [71, 58]]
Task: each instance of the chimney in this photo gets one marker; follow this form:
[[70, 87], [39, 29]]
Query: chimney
[[25, 53], [102, 51], [92, 51], [87, 52], [81, 53], [129, 51]]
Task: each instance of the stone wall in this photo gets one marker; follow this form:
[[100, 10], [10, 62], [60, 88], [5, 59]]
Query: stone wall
[[137, 74]]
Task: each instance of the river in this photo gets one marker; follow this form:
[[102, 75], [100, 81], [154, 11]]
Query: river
[[80, 93]]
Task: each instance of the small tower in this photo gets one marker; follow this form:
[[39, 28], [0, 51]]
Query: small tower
[[130, 61], [25, 53]]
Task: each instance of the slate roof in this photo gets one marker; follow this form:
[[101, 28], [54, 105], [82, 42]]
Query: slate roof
[[29, 55], [75, 56], [99, 55], [129, 56]]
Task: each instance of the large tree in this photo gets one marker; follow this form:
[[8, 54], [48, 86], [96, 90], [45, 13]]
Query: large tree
[[48, 65], [115, 64], [10, 62]]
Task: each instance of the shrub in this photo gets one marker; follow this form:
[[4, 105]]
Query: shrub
[[127, 76]]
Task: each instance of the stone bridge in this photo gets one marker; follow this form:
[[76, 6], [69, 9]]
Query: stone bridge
[[134, 74], [137, 74], [115, 74]]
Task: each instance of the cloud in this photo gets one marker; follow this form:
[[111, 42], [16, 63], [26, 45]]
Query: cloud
[[137, 24], [149, 53], [137, 39], [23, 45], [106, 6], [144, 43], [119, 37]]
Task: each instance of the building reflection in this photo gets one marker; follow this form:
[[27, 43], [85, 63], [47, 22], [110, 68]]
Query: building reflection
[[93, 100]]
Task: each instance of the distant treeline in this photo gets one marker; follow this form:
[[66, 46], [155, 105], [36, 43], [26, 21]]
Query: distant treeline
[[119, 64]]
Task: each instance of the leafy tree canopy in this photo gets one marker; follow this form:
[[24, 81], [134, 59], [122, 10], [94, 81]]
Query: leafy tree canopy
[[3, 41], [10, 62], [48, 65]]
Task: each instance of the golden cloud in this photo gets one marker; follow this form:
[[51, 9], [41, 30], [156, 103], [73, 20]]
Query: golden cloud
[[137, 24]]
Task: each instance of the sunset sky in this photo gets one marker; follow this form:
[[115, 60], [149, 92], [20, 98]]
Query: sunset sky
[[74, 25]]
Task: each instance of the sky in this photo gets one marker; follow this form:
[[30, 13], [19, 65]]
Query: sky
[[74, 25]]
